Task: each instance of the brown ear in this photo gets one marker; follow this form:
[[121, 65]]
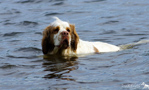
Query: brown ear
[[47, 40], [74, 38]]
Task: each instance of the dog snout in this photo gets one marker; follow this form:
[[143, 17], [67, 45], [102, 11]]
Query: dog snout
[[65, 33]]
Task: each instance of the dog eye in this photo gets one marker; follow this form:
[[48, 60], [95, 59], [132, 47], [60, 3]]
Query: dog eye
[[68, 30], [56, 30]]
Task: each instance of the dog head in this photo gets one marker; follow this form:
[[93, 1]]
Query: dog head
[[61, 35]]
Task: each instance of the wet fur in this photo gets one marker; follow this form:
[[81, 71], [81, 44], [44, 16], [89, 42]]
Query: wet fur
[[48, 43], [53, 41]]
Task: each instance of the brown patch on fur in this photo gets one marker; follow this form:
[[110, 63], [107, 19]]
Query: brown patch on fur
[[47, 40], [55, 29], [68, 29], [74, 38], [96, 50]]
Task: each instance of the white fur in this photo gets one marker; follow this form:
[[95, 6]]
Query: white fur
[[88, 47], [83, 47], [62, 25]]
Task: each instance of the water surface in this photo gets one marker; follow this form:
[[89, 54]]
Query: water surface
[[22, 66]]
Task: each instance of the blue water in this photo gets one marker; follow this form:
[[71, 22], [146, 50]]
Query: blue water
[[118, 22]]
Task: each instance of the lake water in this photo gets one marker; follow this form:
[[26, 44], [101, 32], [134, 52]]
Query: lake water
[[118, 22]]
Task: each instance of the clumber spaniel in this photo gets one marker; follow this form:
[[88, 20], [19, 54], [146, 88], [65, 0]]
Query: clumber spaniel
[[61, 38]]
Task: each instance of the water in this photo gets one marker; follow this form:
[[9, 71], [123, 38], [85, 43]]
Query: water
[[22, 66]]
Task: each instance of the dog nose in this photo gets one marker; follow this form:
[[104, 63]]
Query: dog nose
[[65, 33]]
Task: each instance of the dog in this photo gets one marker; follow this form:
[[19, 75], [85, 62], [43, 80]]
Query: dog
[[61, 38]]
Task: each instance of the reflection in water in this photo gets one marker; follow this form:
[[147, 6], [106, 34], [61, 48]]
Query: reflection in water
[[59, 66]]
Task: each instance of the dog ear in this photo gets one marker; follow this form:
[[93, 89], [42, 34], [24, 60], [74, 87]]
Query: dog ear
[[74, 38], [47, 41]]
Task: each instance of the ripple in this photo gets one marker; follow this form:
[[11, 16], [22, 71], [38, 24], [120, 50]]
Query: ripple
[[28, 49], [94, 1], [108, 17], [8, 22], [12, 34], [109, 32], [25, 57], [59, 66], [27, 23], [7, 66], [26, 53], [102, 67], [111, 22], [130, 34], [28, 1], [40, 33], [105, 66], [146, 53], [103, 40], [146, 73], [59, 3], [54, 13], [10, 12]]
